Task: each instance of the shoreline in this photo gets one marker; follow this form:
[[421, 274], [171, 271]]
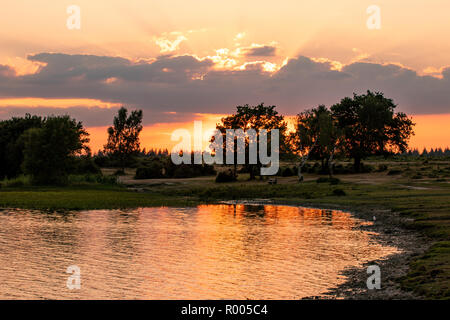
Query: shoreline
[[388, 229]]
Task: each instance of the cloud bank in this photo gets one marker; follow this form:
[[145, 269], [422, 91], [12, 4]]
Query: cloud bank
[[170, 87]]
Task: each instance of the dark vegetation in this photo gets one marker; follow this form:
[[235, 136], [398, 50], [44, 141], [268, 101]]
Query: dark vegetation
[[162, 167]]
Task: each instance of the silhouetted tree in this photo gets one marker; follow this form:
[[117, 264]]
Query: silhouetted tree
[[317, 135], [123, 136], [371, 127], [11, 155], [257, 118], [49, 151]]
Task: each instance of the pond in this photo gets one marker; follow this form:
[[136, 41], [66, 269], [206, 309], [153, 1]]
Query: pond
[[224, 251]]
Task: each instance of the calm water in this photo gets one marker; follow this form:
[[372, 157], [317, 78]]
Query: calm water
[[207, 252]]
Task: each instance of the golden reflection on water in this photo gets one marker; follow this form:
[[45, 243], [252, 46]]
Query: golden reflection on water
[[208, 252]]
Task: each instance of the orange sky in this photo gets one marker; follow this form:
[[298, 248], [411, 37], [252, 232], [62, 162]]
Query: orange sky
[[431, 131], [414, 34]]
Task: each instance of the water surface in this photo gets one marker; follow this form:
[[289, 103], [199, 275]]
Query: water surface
[[206, 252]]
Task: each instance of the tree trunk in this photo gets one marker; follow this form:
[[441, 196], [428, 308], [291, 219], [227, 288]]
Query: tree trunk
[[330, 163], [252, 173], [302, 163]]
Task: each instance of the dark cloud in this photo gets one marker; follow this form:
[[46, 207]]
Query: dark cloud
[[6, 71], [263, 51], [189, 85]]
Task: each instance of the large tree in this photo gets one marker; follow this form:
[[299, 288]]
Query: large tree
[[254, 117], [123, 136], [11, 149], [49, 151], [371, 127], [316, 135]]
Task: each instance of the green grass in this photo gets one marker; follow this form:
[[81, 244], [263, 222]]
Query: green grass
[[83, 197]]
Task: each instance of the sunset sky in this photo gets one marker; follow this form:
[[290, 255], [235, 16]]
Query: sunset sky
[[181, 61]]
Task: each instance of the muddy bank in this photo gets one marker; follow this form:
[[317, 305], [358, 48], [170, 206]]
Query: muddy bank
[[390, 229]]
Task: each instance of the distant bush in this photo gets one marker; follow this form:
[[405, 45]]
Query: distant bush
[[394, 172], [183, 171], [417, 176], [83, 165], [287, 172], [153, 171], [382, 167], [19, 181], [163, 167], [225, 176], [339, 192]]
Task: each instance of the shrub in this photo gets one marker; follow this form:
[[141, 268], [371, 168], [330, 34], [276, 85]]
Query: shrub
[[153, 171], [84, 165], [382, 167], [394, 172], [183, 171], [225, 176], [417, 176], [339, 192], [16, 182], [287, 172]]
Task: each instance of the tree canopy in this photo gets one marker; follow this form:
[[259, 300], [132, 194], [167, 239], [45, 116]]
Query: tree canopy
[[254, 117], [123, 136], [316, 134], [370, 126], [11, 149], [48, 151]]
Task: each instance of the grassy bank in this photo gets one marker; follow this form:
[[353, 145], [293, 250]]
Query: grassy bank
[[83, 198], [420, 192]]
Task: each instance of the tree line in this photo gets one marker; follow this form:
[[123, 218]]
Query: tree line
[[49, 149], [356, 127]]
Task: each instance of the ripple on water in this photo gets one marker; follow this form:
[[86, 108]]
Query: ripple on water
[[209, 252]]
